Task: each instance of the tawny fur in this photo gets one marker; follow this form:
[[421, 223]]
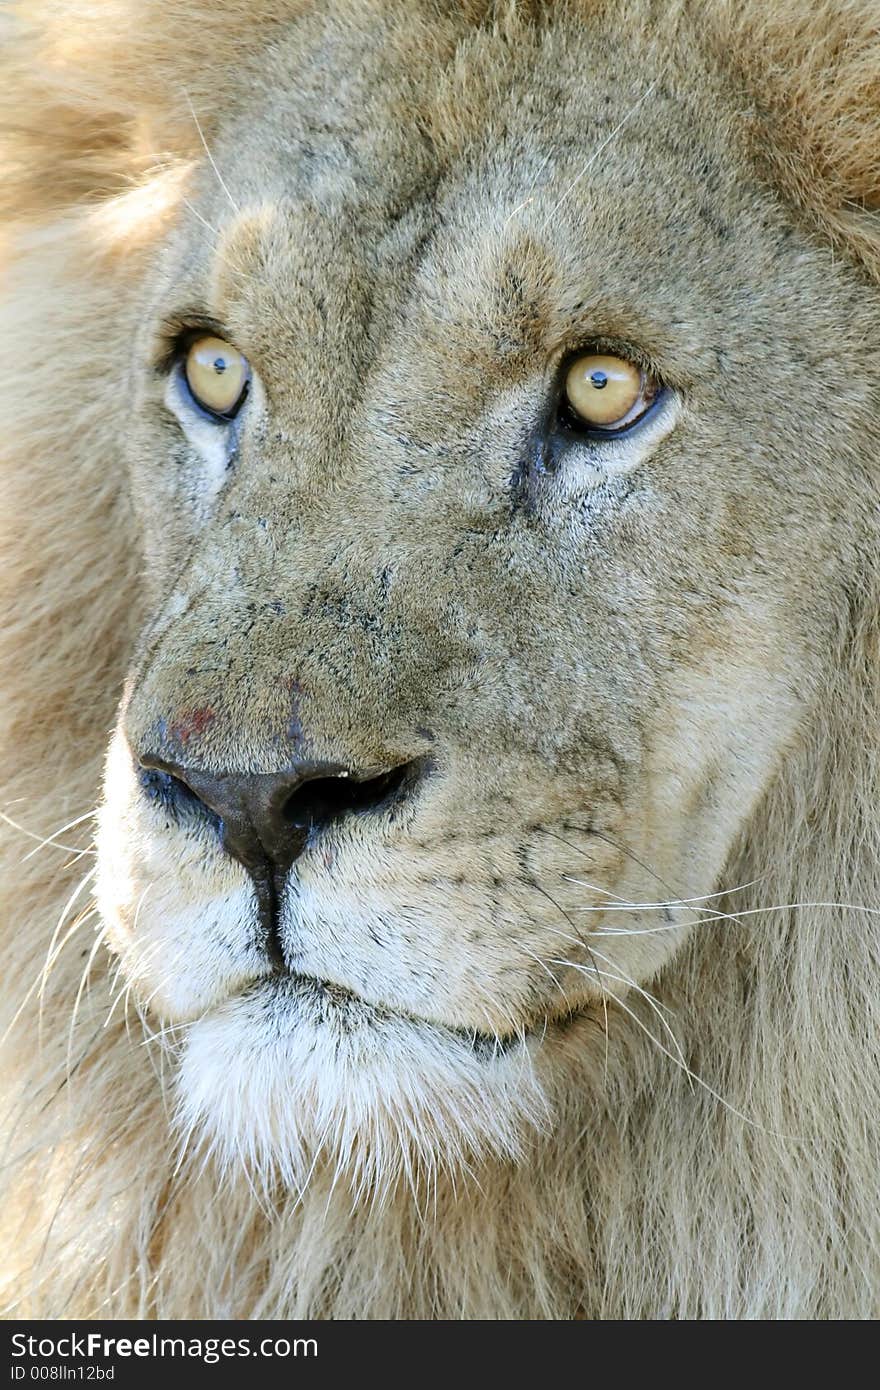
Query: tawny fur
[[753, 1191]]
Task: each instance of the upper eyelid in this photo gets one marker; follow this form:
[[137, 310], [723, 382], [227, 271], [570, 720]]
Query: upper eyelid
[[178, 329], [177, 332], [607, 345]]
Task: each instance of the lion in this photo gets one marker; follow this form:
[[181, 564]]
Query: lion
[[441, 544]]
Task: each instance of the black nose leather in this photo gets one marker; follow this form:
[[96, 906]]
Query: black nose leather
[[265, 819]]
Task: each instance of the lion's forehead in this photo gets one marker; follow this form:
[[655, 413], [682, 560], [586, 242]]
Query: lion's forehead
[[397, 205]]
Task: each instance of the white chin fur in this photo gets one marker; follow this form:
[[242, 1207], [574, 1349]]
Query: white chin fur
[[290, 1076]]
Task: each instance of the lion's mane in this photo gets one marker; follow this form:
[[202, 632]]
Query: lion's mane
[[754, 1192]]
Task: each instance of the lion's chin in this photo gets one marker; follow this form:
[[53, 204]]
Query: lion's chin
[[294, 1075]]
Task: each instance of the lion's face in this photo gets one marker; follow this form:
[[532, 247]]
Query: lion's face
[[436, 681]]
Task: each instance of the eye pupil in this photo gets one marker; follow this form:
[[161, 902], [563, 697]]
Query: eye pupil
[[599, 379], [219, 365]]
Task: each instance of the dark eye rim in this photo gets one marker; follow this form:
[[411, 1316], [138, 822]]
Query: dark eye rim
[[571, 425], [224, 417]]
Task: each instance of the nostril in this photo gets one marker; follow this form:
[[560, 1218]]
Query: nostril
[[174, 797], [325, 799], [268, 818]]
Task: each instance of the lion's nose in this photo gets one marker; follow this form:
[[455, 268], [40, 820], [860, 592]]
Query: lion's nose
[[265, 820]]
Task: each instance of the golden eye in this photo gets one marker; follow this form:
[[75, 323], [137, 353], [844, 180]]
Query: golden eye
[[217, 375], [608, 393]]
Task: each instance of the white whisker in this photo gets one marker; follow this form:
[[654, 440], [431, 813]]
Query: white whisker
[[602, 146], [99, 940], [43, 840], [706, 920], [621, 905], [211, 160]]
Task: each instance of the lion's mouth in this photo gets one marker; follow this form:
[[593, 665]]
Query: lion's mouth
[[294, 1068], [324, 1003]]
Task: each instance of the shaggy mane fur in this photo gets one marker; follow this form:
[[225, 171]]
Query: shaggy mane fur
[[97, 133]]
